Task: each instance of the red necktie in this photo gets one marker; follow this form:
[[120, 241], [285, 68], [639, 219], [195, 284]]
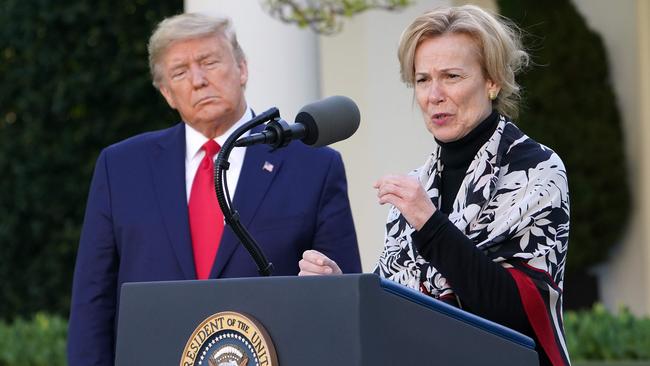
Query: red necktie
[[206, 218]]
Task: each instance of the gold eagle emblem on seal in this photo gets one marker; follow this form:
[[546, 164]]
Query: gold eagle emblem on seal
[[229, 338]]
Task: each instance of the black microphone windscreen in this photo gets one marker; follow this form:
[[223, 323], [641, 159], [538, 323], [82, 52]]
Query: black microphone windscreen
[[329, 120]]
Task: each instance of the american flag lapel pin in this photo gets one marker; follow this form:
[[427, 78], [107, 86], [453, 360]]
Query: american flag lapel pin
[[268, 167]]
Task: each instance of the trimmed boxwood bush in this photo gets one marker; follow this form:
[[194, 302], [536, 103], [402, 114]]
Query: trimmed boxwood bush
[[570, 106], [74, 79], [600, 335], [39, 341], [593, 334]]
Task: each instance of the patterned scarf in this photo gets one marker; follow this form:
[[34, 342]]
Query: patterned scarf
[[514, 205]]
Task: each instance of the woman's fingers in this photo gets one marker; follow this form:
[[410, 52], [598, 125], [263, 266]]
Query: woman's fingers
[[407, 194], [314, 262]]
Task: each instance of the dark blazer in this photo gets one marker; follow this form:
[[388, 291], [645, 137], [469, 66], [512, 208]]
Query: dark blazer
[[136, 226]]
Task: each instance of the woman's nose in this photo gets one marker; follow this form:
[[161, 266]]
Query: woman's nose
[[436, 93]]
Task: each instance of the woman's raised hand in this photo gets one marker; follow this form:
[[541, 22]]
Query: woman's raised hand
[[407, 194]]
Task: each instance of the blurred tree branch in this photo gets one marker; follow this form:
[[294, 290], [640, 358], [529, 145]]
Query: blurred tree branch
[[325, 16]]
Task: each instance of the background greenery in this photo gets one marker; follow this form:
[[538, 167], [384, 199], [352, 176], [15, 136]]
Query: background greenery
[[325, 17], [593, 334], [597, 334], [570, 106], [74, 79], [39, 341]]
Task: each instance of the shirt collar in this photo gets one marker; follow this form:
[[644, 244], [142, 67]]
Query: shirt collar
[[194, 140]]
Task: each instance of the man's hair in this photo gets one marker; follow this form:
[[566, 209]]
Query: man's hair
[[184, 27], [497, 39]]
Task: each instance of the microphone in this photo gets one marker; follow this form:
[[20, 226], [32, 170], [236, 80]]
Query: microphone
[[317, 124]]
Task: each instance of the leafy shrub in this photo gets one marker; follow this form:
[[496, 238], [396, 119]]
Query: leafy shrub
[[597, 334], [594, 334], [74, 78], [570, 106], [36, 342]]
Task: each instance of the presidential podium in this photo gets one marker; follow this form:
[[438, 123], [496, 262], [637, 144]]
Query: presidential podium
[[312, 321]]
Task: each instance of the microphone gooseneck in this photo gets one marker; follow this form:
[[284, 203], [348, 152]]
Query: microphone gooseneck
[[264, 267], [320, 123]]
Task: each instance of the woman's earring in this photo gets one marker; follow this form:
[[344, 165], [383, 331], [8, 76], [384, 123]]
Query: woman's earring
[[493, 94]]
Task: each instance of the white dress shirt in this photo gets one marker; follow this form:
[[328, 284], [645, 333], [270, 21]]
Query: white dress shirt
[[194, 140]]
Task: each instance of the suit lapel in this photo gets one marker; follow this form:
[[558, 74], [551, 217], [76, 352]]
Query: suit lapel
[[259, 169], [168, 167]]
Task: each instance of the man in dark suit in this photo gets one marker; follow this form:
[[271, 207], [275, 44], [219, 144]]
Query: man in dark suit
[[151, 213]]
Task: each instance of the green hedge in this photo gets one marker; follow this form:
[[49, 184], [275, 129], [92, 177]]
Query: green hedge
[[36, 342], [75, 79], [600, 335], [595, 334], [570, 106]]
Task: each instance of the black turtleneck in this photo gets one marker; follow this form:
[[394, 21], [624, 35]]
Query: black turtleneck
[[457, 155], [482, 286]]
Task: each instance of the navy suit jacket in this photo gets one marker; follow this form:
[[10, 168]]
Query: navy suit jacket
[[136, 226]]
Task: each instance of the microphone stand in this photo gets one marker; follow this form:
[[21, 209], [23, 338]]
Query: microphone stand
[[223, 196]]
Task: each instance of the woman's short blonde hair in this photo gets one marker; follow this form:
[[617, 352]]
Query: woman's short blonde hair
[[184, 27], [497, 39]]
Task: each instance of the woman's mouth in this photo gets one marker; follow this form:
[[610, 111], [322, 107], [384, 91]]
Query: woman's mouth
[[440, 119]]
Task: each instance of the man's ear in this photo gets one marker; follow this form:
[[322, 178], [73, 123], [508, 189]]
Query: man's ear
[[243, 73]]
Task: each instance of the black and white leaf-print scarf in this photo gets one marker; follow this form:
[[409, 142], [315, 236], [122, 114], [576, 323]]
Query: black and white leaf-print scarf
[[514, 205]]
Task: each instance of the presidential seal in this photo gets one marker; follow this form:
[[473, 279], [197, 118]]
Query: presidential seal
[[229, 339]]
